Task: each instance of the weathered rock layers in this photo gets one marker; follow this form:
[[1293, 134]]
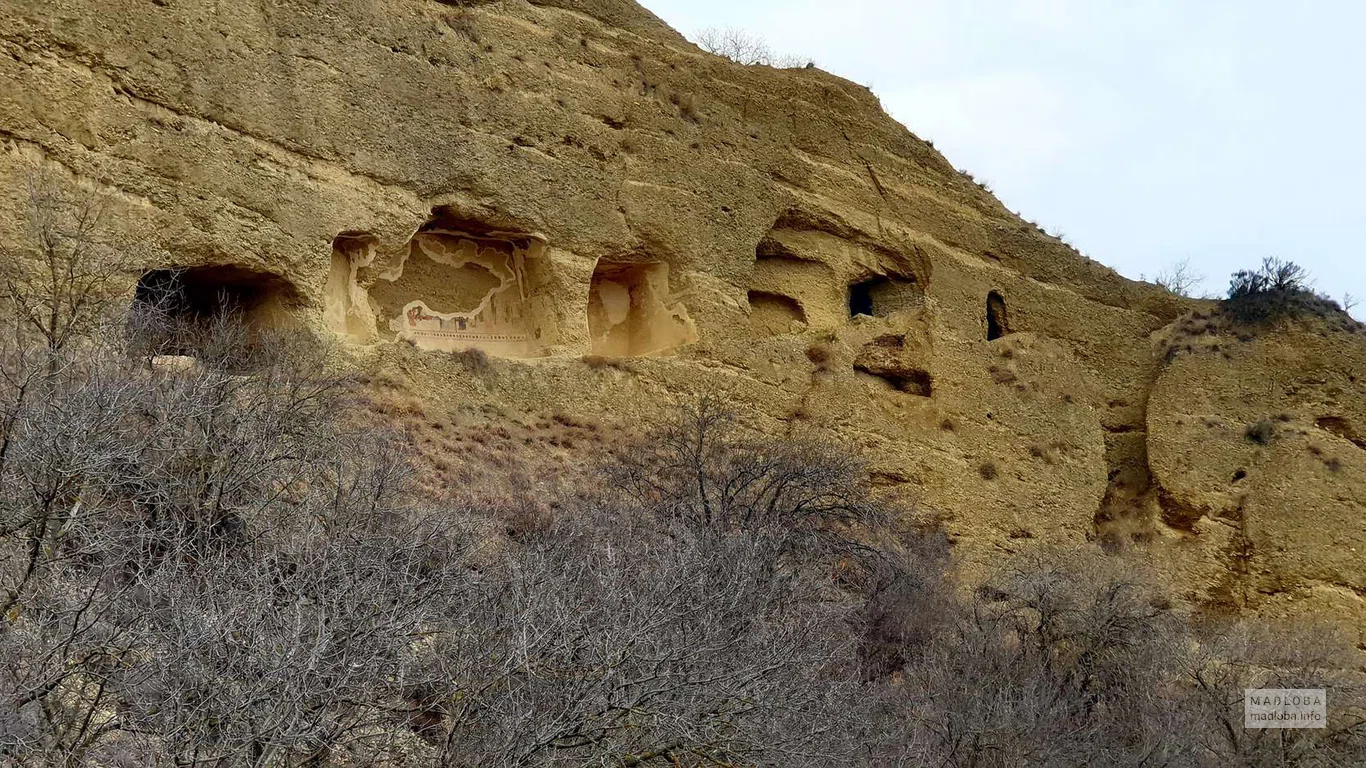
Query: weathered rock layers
[[559, 181]]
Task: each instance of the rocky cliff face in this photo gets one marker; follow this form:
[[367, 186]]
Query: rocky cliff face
[[566, 182]]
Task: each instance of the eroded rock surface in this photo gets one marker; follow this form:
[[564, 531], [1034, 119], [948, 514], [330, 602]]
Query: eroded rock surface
[[1252, 443], [562, 181]]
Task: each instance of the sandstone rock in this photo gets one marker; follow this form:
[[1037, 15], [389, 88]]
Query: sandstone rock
[[563, 182], [1257, 450]]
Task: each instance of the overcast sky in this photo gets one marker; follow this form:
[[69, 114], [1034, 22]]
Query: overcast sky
[[1146, 131]]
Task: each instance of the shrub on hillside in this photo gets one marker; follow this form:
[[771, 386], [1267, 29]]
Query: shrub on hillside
[[1261, 432], [1275, 291]]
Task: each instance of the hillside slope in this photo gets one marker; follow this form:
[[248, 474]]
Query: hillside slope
[[623, 221]]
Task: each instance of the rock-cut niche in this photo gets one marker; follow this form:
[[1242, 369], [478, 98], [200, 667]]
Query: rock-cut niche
[[897, 364], [630, 310], [791, 288], [998, 324], [456, 285], [882, 296], [773, 314]]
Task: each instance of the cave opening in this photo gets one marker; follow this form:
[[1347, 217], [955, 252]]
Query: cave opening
[[220, 311], [203, 295], [882, 296], [997, 323], [861, 298], [629, 313]]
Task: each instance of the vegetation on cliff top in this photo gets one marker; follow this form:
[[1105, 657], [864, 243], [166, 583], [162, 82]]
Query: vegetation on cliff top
[[1279, 290]]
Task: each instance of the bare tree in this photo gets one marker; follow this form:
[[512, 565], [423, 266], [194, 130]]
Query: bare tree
[[1179, 278], [1243, 655], [1076, 665], [746, 48], [702, 467], [1275, 276], [1276, 291], [182, 551], [635, 645], [62, 284], [213, 572]]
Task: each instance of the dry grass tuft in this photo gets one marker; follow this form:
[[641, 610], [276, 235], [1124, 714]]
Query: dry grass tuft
[[474, 360], [821, 353], [601, 362], [1261, 432]]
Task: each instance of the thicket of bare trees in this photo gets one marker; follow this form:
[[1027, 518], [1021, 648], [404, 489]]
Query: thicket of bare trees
[[62, 285], [204, 566], [213, 565]]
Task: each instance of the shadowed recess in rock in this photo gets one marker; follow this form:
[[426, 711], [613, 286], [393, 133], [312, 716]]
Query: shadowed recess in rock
[[772, 314], [997, 323], [882, 296], [206, 294], [890, 358]]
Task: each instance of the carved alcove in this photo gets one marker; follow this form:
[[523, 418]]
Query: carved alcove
[[631, 311], [456, 285], [881, 296], [773, 314], [898, 364], [998, 323], [791, 288], [346, 305]]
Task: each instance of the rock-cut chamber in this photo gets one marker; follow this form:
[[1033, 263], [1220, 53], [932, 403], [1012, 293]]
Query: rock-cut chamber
[[630, 311], [453, 287], [882, 296]]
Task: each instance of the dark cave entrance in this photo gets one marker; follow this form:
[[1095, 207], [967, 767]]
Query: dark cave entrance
[[882, 296], [187, 311], [199, 295], [997, 323], [861, 298]]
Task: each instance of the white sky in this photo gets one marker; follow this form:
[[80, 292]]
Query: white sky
[[1146, 131]]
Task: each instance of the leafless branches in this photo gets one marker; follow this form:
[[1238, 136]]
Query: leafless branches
[[702, 469], [205, 567], [638, 647], [59, 286], [1180, 278], [1277, 291], [204, 547], [1246, 655], [746, 48]]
